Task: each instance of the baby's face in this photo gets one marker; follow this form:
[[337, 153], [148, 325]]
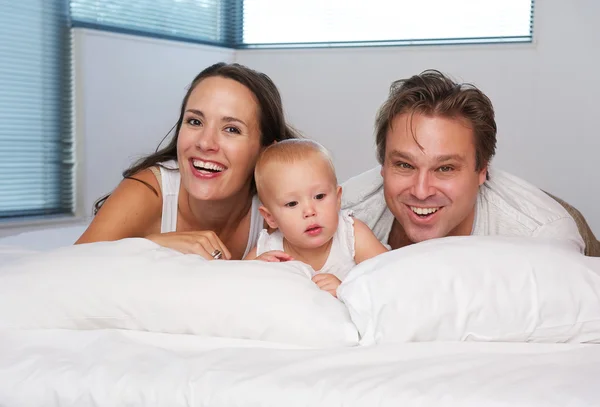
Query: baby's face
[[303, 201]]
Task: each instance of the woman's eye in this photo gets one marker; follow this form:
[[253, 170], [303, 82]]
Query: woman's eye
[[319, 196], [194, 122], [291, 204], [233, 130]]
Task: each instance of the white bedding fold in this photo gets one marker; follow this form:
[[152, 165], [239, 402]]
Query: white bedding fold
[[127, 368]]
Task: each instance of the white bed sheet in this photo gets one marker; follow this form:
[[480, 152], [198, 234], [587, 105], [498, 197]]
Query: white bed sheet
[[128, 368], [45, 239]]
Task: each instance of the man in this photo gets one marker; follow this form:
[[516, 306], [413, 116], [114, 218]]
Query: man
[[435, 139]]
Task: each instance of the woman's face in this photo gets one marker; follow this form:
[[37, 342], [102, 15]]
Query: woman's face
[[219, 139]]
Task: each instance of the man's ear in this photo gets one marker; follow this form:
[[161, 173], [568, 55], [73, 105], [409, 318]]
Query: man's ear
[[483, 175], [268, 217], [339, 197]]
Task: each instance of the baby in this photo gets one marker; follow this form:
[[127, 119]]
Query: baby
[[301, 199]]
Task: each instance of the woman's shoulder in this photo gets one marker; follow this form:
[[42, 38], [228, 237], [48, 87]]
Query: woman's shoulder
[[133, 209]]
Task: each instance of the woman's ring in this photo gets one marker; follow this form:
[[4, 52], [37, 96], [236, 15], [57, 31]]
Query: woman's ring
[[217, 254]]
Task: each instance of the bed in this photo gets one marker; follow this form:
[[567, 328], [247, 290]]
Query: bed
[[131, 324]]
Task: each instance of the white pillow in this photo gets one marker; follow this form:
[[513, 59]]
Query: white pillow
[[476, 288], [138, 285]]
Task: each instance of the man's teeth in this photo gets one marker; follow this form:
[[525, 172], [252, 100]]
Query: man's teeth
[[423, 211], [205, 165]]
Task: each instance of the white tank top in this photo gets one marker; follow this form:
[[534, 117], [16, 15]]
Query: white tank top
[[341, 256], [170, 182]]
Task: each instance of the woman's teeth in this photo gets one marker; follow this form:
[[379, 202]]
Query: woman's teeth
[[207, 166]]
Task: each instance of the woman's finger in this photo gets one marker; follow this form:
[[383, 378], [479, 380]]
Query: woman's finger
[[203, 251], [210, 242]]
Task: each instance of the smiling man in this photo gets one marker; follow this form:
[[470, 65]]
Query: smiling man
[[435, 139]]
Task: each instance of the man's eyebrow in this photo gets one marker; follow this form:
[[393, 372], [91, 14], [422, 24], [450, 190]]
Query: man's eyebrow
[[401, 154], [450, 157]]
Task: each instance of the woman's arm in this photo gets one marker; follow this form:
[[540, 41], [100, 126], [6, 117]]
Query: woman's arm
[[132, 210], [366, 244], [135, 210]]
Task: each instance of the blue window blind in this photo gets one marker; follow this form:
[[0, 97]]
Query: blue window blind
[[36, 154], [384, 22], [203, 21]]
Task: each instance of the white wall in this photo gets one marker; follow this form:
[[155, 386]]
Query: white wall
[[545, 96], [129, 91]]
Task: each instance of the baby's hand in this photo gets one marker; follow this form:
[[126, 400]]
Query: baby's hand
[[275, 256], [327, 282]]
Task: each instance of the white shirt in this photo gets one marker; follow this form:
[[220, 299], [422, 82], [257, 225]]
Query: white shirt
[[170, 182], [341, 256]]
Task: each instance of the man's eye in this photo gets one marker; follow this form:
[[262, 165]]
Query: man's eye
[[291, 204], [319, 196], [445, 168], [404, 165]]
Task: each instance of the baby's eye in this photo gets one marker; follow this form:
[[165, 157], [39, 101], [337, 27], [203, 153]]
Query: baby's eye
[[319, 196], [291, 204]]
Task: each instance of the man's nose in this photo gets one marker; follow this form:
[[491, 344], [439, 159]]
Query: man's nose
[[423, 187]]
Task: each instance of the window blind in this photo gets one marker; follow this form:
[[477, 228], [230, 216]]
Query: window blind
[[204, 21], [36, 154], [384, 22]]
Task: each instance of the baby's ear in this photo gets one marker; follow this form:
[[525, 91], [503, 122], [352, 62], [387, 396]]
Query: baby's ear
[[268, 217], [339, 197]]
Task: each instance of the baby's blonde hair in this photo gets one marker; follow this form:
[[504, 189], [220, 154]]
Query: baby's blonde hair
[[288, 152]]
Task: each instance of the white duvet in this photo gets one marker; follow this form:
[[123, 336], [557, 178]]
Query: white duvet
[[469, 323], [120, 368]]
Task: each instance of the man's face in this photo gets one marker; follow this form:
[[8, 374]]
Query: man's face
[[432, 189]]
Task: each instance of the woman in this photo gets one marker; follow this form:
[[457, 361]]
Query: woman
[[197, 195]]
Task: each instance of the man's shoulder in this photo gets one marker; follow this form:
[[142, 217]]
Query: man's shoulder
[[362, 187], [509, 205]]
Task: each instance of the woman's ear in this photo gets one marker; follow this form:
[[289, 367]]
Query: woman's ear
[[268, 217]]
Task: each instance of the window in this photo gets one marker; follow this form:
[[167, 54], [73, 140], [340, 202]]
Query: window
[[383, 22], [36, 155], [203, 21]]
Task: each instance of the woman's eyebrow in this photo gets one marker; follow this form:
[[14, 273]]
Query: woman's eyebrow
[[229, 119], [226, 119], [196, 112]]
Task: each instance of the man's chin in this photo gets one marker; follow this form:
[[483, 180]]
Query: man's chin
[[418, 236]]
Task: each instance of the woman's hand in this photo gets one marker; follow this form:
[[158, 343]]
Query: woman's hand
[[275, 256], [327, 282], [204, 243]]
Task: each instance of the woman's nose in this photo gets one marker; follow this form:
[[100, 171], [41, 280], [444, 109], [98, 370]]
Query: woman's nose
[[207, 139]]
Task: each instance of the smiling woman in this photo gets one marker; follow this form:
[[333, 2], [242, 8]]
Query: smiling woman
[[197, 195]]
